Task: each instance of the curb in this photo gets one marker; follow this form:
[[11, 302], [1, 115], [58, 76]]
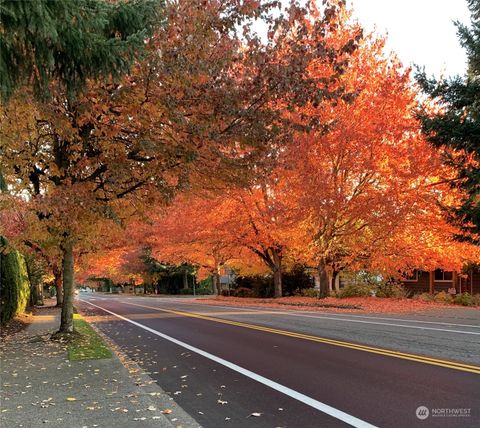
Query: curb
[[176, 415]]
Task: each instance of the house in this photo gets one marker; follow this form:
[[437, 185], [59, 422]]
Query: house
[[440, 280], [227, 278]]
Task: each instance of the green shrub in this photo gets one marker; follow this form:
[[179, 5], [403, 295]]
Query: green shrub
[[443, 297], [464, 299], [391, 289], [295, 280], [307, 292], [261, 285], [243, 292], [185, 291], [476, 299], [356, 290], [203, 291], [425, 297], [14, 283], [366, 284]]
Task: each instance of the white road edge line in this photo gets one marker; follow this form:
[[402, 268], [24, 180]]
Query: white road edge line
[[337, 319], [322, 407]]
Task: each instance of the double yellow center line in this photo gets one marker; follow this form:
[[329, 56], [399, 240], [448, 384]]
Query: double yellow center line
[[343, 344]]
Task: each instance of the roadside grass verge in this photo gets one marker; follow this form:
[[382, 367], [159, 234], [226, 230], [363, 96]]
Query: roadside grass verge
[[88, 345]]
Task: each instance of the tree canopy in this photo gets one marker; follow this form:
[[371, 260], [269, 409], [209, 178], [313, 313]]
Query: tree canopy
[[454, 126], [176, 129], [70, 41]]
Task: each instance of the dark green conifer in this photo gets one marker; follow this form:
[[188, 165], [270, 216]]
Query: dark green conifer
[[69, 41], [456, 130]]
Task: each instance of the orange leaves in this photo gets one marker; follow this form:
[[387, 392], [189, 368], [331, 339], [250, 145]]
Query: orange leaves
[[366, 304], [307, 145], [352, 184]]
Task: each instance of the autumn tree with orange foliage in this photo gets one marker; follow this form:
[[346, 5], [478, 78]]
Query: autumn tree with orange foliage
[[305, 144], [197, 231], [202, 104], [369, 181], [361, 190]]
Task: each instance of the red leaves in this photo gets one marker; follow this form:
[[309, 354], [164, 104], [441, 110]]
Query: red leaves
[[367, 304]]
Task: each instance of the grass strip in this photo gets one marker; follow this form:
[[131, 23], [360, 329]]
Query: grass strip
[[88, 345]]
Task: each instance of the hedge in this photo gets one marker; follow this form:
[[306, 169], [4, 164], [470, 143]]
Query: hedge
[[14, 284]]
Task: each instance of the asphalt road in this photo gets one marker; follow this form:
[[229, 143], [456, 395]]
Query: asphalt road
[[245, 367]]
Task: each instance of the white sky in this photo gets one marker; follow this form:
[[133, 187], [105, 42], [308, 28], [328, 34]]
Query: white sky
[[420, 31]]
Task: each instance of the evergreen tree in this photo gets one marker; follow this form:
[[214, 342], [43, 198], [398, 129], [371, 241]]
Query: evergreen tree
[[456, 129], [69, 40]]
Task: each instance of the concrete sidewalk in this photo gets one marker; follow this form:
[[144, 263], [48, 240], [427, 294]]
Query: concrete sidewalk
[[41, 387]]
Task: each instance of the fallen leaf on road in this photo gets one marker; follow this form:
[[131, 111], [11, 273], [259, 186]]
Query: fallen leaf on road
[[71, 399], [167, 411], [254, 414]]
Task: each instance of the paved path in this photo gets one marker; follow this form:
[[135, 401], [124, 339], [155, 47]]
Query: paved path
[[227, 365], [40, 387]]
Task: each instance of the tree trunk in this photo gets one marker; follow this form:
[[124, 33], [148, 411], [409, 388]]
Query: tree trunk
[[277, 273], [185, 279], [39, 294], [330, 283], [66, 325], [36, 295], [216, 283], [336, 280], [322, 271], [57, 274]]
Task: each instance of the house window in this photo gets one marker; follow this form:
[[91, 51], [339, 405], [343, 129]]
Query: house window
[[413, 277], [443, 276]]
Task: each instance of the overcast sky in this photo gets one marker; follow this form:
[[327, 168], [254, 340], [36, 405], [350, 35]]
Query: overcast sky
[[419, 31]]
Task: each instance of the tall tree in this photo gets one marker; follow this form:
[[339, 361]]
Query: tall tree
[[69, 41], [198, 231], [359, 183], [453, 126], [203, 103], [63, 50]]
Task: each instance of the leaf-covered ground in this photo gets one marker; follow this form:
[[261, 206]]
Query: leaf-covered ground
[[331, 304], [15, 325], [40, 386]]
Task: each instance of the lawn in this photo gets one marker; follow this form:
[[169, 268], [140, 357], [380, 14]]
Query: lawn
[[88, 345]]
